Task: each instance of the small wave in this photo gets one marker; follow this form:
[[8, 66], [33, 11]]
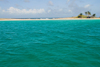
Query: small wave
[[8, 38], [10, 32]]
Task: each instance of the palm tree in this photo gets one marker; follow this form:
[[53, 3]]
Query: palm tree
[[89, 13], [81, 15], [93, 15], [86, 13]]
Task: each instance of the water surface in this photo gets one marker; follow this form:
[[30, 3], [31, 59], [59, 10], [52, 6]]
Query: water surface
[[50, 43]]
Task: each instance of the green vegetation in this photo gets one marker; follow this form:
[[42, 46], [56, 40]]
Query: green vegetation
[[87, 15], [81, 16], [93, 15]]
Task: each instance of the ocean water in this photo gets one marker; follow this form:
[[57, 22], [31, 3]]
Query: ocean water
[[50, 43]]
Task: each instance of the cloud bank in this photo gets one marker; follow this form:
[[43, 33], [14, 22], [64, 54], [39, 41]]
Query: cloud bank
[[13, 10]]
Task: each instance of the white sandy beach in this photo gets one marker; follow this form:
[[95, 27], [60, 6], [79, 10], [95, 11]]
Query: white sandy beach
[[3, 19]]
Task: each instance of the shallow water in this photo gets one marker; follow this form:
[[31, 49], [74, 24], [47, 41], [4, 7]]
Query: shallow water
[[50, 43]]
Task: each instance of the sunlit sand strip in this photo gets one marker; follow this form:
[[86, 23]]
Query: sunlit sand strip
[[3, 19]]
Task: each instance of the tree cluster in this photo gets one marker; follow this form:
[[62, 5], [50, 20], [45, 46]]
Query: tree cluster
[[88, 15]]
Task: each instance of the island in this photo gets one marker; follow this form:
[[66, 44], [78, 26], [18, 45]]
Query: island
[[80, 16]]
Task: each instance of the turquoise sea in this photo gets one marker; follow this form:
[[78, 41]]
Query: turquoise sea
[[50, 43]]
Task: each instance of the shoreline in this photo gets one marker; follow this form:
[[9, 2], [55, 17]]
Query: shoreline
[[6, 19]]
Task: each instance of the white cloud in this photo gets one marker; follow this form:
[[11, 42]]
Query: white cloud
[[13, 10], [3, 10], [75, 8], [69, 10], [86, 6], [50, 3], [49, 11]]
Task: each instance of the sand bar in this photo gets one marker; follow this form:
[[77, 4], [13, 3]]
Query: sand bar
[[6, 19]]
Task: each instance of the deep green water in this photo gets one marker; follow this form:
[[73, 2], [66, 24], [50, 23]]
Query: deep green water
[[50, 43]]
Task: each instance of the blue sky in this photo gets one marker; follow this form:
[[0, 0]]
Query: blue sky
[[47, 8]]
